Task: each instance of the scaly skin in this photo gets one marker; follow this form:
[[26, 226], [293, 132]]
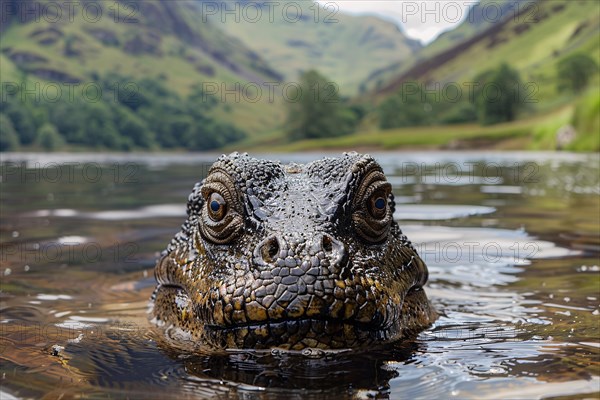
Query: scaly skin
[[291, 256]]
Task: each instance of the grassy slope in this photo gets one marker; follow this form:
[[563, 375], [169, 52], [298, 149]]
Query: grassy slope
[[515, 135], [536, 52], [533, 133], [533, 52], [473, 24], [176, 62], [346, 51]]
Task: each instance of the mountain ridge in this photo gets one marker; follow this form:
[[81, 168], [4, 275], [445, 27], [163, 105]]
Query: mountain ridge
[[346, 48], [553, 23]]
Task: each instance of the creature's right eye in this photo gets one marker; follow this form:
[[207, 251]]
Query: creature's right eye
[[221, 219], [217, 207], [372, 215]]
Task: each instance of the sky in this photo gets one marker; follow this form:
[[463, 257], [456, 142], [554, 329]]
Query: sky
[[422, 20]]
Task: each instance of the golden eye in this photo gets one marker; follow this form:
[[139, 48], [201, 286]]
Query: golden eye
[[216, 207], [377, 205]]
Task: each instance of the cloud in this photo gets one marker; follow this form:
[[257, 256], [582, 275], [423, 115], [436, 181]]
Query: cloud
[[421, 20]]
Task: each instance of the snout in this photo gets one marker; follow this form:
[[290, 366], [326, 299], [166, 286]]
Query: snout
[[321, 250], [294, 280]]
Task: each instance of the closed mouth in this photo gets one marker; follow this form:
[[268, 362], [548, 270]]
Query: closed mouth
[[298, 334], [288, 313], [375, 322], [317, 320], [319, 329]]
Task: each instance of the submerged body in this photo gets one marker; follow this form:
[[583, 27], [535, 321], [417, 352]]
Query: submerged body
[[291, 256]]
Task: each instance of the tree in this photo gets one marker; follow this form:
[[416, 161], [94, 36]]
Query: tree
[[575, 71], [99, 129], [22, 120], [463, 112], [498, 95], [49, 138], [9, 140], [316, 109], [133, 127], [141, 114], [212, 134], [408, 107], [69, 117]]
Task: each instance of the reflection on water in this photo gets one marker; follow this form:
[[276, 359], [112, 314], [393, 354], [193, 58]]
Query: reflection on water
[[512, 245]]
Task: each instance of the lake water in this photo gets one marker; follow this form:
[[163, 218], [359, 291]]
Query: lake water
[[511, 240]]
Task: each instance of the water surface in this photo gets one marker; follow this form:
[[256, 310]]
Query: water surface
[[511, 241]]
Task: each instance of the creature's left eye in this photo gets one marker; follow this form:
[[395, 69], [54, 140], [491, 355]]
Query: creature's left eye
[[217, 207], [372, 214], [377, 205]]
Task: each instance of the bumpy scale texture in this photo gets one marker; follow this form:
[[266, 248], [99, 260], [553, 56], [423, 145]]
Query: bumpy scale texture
[[291, 256]]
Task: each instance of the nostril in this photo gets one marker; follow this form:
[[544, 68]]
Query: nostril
[[327, 244], [270, 250]]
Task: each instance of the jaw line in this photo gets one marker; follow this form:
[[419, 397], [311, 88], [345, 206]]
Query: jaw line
[[260, 324]]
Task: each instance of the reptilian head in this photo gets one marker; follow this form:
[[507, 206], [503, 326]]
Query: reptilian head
[[291, 256]]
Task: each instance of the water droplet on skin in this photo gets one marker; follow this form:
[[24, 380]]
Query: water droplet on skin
[[312, 353], [57, 349]]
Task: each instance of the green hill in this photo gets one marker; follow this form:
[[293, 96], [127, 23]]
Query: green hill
[[161, 39], [532, 38], [179, 75], [165, 75], [305, 35], [122, 48]]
